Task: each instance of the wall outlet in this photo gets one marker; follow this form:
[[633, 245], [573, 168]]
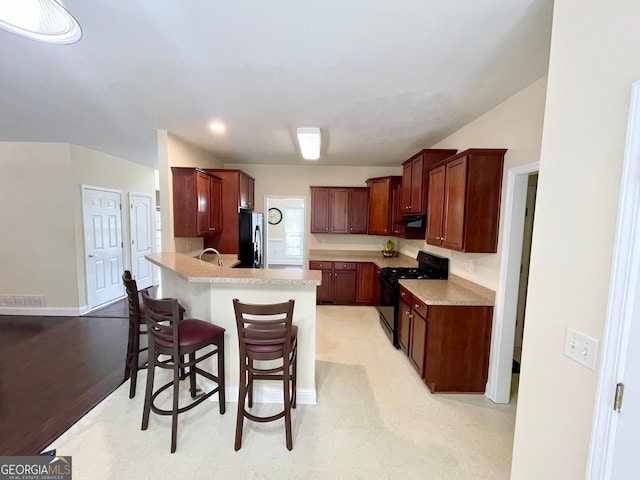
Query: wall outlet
[[189, 246], [581, 348]]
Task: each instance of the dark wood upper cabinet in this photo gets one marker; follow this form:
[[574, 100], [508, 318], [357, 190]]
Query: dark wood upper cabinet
[[464, 201], [339, 209], [381, 213], [320, 209], [415, 182], [197, 206], [238, 187], [237, 191], [358, 208]]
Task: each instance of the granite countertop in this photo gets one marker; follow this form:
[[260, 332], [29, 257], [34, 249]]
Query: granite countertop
[[455, 291], [193, 269], [374, 256]]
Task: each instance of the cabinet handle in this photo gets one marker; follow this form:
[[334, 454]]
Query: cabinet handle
[[416, 306]]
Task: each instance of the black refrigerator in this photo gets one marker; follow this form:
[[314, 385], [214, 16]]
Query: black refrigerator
[[250, 255]]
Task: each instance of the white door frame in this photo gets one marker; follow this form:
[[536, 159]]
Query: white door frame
[[504, 316], [623, 306], [265, 253]]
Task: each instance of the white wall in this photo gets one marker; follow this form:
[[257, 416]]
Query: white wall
[[42, 245], [592, 65]]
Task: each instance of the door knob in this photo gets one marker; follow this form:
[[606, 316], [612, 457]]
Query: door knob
[[91, 255]]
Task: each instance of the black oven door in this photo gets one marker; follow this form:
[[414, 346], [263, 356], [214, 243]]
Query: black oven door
[[387, 309]]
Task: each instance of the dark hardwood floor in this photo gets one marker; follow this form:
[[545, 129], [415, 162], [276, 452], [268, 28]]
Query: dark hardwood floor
[[53, 370]]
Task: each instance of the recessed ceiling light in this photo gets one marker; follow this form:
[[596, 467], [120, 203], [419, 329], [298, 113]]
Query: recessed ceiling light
[[217, 127], [309, 139], [42, 20]]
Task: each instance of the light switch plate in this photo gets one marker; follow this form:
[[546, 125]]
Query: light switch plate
[[581, 348]]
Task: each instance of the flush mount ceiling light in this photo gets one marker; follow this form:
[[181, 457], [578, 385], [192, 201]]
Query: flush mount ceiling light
[[309, 140], [217, 127], [42, 20]]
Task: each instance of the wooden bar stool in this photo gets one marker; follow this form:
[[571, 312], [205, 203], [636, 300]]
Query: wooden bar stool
[[266, 333], [176, 339], [137, 329]]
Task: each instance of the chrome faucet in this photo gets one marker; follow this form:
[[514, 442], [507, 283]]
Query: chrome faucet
[[212, 250]]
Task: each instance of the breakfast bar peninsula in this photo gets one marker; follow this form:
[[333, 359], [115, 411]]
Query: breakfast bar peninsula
[[207, 290]]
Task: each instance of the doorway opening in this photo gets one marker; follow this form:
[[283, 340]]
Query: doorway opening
[[530, 207], [512, 284], [284, 236]]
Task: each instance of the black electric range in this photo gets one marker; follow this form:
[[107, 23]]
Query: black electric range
[[430, 267]]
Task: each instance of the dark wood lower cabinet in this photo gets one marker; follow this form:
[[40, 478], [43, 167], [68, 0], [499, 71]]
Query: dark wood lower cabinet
[[404, 319], [344, 283], [448, 345], [457, 348], [347, 283]]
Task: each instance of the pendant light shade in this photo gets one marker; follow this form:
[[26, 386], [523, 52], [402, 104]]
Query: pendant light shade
[[42, 20]]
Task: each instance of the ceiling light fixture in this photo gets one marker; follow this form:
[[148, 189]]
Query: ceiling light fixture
[[42, 20], [217, 127], [309, 140]]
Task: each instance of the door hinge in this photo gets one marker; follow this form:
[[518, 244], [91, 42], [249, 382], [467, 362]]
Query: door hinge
[[617, 400]]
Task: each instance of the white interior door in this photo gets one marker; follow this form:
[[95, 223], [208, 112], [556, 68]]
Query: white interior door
[[102, 217], [141, 220]]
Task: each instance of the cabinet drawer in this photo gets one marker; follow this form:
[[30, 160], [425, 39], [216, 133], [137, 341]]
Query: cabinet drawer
[[419, 307], [405, 295], [314, 265], [344, 265]]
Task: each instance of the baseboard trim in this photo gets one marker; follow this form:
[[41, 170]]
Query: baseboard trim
[[44, 312]]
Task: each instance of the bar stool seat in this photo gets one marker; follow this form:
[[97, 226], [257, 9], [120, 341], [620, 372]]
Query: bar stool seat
[[266, 333]]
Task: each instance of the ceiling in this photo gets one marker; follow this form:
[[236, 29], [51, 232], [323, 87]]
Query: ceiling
[[382, 79]]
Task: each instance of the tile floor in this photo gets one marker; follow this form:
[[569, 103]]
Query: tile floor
[[375, 419]]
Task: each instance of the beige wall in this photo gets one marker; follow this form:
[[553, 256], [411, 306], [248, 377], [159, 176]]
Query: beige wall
[[37, 243], [515, 124], [592, 65], [296, 180], [175, 152], [42, 244]]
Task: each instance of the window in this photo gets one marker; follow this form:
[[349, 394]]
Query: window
[[293, 224]]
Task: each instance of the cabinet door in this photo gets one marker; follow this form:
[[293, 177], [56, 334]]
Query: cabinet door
[[454, 204], [405, 198], [358, 210], [215, 208], [435, 205], [379, 220], [324, 291], [365, 292], [319, 210], [344, 283], [338, 210], [397, 227], [203, 196], [243, 201], [404, 322], [417, 187], [418, 338]]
